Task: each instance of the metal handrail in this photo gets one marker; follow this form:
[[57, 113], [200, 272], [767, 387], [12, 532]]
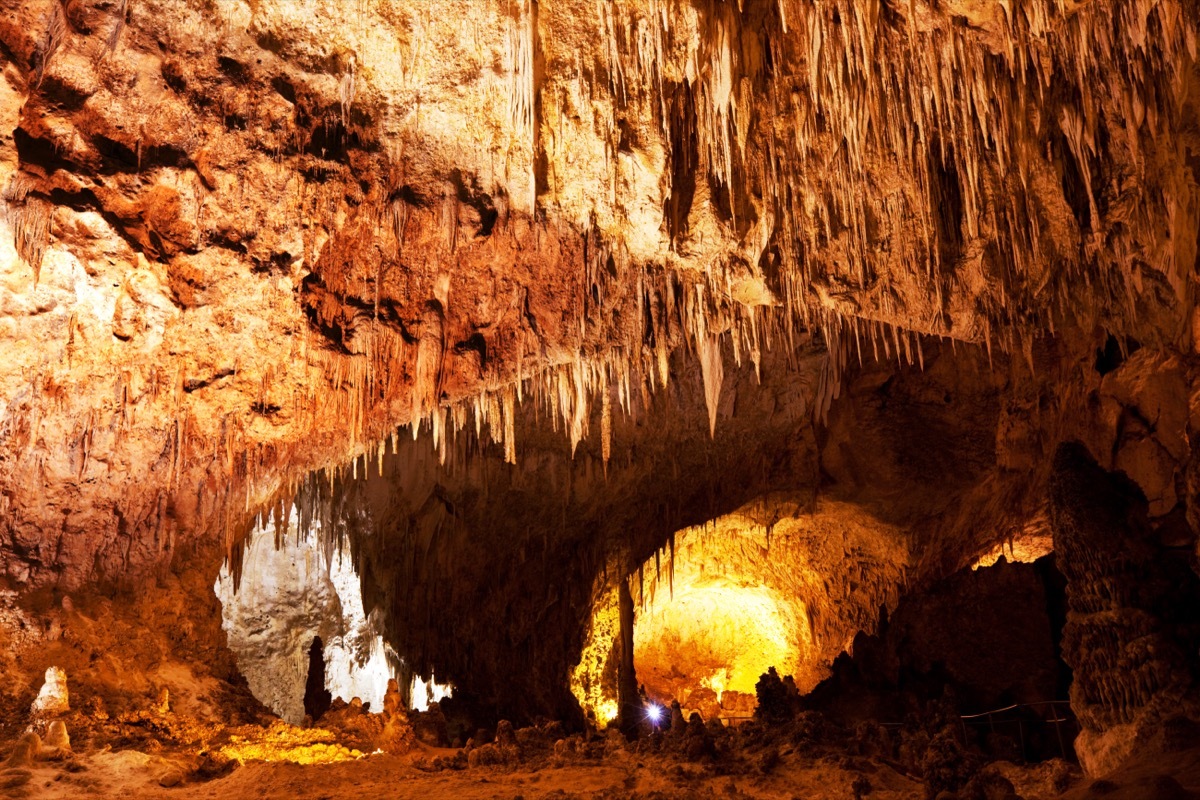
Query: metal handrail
[[1018, 705], [965, 719], [1057, 721]]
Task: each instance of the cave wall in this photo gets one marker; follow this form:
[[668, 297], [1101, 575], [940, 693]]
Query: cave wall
[[120, 651], [291, 591], [989, 636], [1133, 624], [240, 242]]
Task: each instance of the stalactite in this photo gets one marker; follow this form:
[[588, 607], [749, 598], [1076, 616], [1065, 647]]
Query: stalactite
[[510, 436], [430, 353], [945, 113], [606, 426], [711, 367]]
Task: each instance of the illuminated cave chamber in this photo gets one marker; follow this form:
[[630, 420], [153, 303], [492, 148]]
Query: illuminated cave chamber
[[707, 644], [481, 571], [1034, 541], [777, 584], [296, 607], [821, 592]]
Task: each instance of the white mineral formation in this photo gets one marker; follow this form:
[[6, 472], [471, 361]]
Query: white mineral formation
[[57, 743], [287, 596], [52, 699]]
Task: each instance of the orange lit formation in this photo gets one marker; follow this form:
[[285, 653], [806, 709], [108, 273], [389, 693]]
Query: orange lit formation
[[517, 384], [284, 743]]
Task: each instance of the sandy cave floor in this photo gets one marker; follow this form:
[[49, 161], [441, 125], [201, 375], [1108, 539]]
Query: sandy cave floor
[[131, 774], [597, 768], [621, 774]]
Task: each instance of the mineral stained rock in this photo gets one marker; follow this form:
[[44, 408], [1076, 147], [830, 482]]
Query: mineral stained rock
[[621, 268], [52, 698], [1134, 613], [241, 240]]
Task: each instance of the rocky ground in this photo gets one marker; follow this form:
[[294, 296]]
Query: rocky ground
[[284, 761], [155, 751], [752, 761], [153, 724]]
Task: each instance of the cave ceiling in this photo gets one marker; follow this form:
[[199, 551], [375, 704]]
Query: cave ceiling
[[641, 263]]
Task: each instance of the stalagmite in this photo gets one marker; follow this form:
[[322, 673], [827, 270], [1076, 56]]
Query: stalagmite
[[52, 698]]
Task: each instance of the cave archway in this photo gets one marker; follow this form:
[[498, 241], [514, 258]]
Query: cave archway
[[448, 536], [782, 582], [296, 606]]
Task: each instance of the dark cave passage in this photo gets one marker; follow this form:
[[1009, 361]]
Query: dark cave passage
[[766, 583], [317, 698]]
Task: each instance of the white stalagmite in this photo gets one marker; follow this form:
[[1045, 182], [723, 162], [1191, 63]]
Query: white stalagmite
[[52, 698]]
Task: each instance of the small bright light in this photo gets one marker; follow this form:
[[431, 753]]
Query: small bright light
[[654, 713]]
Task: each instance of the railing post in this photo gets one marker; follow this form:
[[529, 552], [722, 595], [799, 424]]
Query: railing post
[[1062, 748]]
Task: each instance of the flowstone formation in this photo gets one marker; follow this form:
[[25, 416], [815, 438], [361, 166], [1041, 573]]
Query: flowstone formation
[[291, 597], [1133, 627]]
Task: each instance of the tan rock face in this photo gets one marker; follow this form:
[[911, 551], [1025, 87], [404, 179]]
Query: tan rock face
[[240, 241], [232, 229], [1130, 631]]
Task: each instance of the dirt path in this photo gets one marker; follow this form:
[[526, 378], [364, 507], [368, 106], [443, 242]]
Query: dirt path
[[131, 776]]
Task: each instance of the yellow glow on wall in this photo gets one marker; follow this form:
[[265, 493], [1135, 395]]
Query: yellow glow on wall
[[1025, 550], [283, 742], [714, 634], [779, 583], [717, 682], [594, 679]]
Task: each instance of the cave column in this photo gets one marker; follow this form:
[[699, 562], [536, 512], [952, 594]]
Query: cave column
[[627, 688], [1131, 612]]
